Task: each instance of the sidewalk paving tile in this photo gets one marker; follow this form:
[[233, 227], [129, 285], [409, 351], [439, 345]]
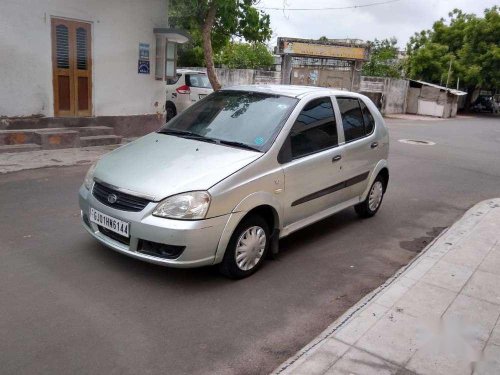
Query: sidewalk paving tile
[[442, 359], [394, 337], [362, 322], [492, 261], [448, 275], [474, 318], [490, 363], [495, 335], [420, 268], [359, 362], [321, 359], [425, 301], [484, 285], [395, 291], [466, 255]]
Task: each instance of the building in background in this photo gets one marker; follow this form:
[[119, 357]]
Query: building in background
[[335, 63], [428, 99], [81, 63]]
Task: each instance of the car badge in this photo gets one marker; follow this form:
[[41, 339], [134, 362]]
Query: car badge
[[112, 198]]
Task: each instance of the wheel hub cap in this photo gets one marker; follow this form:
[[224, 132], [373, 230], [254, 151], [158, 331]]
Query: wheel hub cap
[[250, 248], [376, 194]]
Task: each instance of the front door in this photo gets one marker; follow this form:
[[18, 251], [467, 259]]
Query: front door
[[71, 68], [313, 169]]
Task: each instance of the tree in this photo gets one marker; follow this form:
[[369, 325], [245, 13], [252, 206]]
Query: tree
[[466, 45], [216, 21], [383, 59], [245, 56]]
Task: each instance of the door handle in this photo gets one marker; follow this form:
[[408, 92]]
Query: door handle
[[336, 158], [374, 145]]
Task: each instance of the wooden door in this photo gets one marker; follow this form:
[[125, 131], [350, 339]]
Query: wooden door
[[71, 67]]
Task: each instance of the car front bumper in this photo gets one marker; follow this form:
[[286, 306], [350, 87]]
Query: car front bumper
[[199, 237]]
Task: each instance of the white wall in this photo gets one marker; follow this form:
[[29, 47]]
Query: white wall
[[117, 28]]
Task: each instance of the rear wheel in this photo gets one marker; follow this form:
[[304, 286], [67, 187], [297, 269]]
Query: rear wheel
[[246, 249], [371, 204], [170, 111]]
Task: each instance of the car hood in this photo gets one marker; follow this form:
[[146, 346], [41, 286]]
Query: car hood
[[160, 165]]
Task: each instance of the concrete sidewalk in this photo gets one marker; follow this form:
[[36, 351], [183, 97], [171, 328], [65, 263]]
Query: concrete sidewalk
[[19, 161], [438, 315]]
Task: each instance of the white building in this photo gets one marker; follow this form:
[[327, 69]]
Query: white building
[[103, 62]]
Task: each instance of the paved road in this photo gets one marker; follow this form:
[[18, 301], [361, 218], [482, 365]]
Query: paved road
[[69, 305]]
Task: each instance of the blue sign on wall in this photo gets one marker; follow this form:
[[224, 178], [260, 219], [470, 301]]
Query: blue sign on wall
[[143, 51], [143, 67]]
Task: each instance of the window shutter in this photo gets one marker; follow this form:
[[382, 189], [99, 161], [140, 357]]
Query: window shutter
[[62, 47]]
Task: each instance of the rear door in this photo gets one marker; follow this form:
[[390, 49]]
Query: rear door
[[361, 149], [311, 162]]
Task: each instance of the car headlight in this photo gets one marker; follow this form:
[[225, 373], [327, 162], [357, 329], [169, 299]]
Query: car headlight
[[185, 206], [89, 177]]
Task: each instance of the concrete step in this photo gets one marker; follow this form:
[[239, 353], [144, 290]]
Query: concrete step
[[87, 131], [54, 138], [19, 148], [100, 140], [16, 137]]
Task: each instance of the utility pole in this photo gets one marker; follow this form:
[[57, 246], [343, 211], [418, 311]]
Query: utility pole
[[449, 72], [458, 82]]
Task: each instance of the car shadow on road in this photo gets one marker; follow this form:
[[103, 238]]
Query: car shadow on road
[[302, 241]]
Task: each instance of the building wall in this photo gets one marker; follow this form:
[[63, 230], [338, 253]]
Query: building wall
[[117, 28], [234, 77]]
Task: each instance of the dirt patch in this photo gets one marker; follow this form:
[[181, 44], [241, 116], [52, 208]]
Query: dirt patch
[[418, 244]]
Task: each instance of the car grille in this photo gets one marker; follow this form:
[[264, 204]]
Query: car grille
[[125, 202], [114, 236]]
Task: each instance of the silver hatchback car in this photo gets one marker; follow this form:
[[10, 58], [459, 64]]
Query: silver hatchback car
[[222, 182]]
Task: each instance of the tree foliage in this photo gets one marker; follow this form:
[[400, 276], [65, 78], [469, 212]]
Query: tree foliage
[[383, 59], [245, 56], [212, 24], [470, 43]]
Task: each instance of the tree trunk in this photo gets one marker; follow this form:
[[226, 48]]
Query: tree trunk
[[207, 46]]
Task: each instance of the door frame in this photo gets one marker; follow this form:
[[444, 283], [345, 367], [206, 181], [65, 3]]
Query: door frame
[[73, 72]]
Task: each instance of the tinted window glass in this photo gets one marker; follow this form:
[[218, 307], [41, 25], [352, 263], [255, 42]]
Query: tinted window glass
[[198, 80], [315, 129], [368, 118], [171, 81], [352, 118], [250, 118]]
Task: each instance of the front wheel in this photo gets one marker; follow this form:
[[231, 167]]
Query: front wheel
[[247, 248], [371, 204]]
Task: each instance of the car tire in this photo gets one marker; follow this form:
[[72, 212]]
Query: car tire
[[242, 260], [373, 201], [170, 110]]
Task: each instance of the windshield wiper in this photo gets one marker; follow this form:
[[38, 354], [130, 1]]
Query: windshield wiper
[[181, 133], [237, 144]]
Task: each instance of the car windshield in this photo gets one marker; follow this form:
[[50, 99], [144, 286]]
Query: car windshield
[[198, 80], [245, 119]]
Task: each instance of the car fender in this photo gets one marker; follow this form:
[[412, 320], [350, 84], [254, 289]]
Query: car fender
[[247, 204], [380, 165]]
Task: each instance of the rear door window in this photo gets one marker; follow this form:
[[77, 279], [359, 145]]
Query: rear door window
[[352, 118], [315, 128], [198, 80], [368, 118]]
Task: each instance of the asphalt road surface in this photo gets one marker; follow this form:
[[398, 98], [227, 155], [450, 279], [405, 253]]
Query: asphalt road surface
[[69, 305]]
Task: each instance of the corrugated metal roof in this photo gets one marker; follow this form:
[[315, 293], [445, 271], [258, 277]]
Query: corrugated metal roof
[[451, 91]]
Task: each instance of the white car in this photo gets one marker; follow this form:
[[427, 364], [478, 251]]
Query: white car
[[186, 89]]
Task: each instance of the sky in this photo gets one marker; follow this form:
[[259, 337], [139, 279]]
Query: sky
[[401, 18]]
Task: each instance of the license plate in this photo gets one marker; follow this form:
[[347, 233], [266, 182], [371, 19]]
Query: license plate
[[201, 96], [108, 222]]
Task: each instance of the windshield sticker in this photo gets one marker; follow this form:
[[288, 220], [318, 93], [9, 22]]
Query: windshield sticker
[[259, 141]]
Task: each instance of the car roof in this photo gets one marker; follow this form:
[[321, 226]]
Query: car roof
[[294, 91], [190, 71]]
